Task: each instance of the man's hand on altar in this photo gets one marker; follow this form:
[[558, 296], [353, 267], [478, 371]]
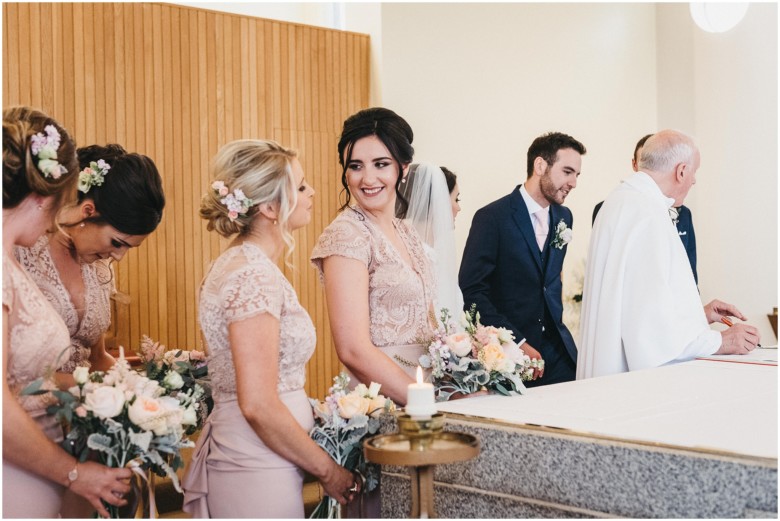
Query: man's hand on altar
[[739, 339], [717, 310], [533, 354]]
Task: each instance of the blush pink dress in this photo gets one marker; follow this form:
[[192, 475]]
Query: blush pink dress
[[38, 338], [233, 473], [85, 326], [400, 296]]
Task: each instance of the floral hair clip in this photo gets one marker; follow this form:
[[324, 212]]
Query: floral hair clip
[[236, 202], [93, 175], [44, 148]]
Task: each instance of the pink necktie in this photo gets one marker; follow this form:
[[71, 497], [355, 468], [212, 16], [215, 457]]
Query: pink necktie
[[540, 227]]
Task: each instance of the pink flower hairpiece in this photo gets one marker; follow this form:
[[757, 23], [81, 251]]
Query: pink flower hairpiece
[[44, 148], [236, 202], [93, 175]]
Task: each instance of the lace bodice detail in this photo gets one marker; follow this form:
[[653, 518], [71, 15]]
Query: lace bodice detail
[[400, 297], [244, 282], [38, 335], [98, 287]]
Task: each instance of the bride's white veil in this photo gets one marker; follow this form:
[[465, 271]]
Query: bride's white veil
[[430, 212]]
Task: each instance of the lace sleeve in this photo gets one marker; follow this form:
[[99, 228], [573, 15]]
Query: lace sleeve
[[8, 286], [252, 291], [343, 237]]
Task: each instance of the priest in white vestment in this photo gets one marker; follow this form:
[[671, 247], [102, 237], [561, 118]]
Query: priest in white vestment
[[640, 306]]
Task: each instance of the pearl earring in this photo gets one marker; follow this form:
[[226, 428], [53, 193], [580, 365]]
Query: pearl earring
[[275, 222], [81, 225], [40, 207]]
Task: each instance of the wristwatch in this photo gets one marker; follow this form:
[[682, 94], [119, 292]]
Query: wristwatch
[[73, 475]]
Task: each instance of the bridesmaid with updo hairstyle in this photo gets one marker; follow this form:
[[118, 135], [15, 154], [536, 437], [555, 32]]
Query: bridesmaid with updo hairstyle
[[120, 202], [255, 444], [379, 280], [40, 173]]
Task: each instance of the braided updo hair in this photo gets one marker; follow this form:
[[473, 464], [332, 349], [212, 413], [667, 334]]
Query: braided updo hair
[[262, 170], [21, 175], [131, 198]]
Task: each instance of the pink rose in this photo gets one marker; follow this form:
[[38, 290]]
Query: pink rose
[[232, 214]]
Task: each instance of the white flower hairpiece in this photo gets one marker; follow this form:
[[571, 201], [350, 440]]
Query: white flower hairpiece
[[44, 148], [93, 175], [236, 202]]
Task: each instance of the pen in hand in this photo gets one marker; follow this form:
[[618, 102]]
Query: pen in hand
[[729, 323]]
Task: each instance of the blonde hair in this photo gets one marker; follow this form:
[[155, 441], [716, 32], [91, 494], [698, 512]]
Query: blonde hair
[[262, 170]]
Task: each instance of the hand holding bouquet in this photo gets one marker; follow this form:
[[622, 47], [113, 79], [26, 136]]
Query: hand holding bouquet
[[342, 422], [124, 418], [475, 357]]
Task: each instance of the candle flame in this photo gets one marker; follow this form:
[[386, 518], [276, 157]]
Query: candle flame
[[419, 375]]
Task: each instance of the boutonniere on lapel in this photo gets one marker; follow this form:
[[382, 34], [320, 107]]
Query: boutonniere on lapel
[[562, 235], [674, 214]]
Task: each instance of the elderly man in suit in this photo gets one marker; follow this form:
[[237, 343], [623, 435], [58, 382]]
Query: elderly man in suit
[[512, 261]]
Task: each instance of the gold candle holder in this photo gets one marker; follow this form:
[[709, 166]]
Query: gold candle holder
[[420, 431]]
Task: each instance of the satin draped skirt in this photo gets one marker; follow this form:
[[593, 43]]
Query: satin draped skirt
[[233, 474], [27, 495]]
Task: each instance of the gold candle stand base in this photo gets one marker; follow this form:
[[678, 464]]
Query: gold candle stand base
[[421, 445]]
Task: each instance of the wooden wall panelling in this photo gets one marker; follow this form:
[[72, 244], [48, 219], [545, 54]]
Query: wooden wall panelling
[[176, 83]]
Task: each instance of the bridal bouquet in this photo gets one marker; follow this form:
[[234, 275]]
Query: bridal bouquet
[[341, 423], [125, 419], [475, 357], [181, 373]]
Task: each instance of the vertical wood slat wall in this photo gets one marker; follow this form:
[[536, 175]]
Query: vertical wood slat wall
[[176, 83]]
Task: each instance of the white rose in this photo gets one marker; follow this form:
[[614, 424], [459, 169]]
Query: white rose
[[353, 404], [505, 335], [377, 406], [149, 414], [173, 380], [459, 343], [105, 402], [81, 375], [190, 416], [566, 236], [174, 414], [508, 366]]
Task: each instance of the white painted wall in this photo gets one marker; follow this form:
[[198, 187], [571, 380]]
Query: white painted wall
[[479, 82]]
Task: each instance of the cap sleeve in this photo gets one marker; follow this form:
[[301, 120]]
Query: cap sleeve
[[8, 284], [345, 237], [252, 291]]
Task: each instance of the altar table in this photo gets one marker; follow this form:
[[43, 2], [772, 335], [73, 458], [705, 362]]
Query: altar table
[[697, 439]]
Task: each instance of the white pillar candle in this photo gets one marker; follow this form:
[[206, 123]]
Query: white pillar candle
[[420, 401]]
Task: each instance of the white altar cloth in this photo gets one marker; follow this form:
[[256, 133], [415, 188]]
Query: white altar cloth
[[701, 404]]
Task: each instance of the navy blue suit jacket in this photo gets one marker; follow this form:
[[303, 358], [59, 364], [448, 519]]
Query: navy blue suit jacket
[[505, 275]]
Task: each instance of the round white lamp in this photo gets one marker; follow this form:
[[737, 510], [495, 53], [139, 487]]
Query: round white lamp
[[716, 17]]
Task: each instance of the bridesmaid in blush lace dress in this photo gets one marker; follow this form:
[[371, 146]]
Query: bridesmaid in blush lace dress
[[39, 177], [379, 280], [120, 202], [251, 454]]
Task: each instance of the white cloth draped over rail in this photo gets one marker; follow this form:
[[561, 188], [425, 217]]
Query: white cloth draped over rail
[[640, 305]]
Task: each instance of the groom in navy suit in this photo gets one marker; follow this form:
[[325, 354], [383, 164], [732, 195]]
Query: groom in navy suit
[[512, 262]]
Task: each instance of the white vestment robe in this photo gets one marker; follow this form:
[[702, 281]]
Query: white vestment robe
[[640, 305]]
